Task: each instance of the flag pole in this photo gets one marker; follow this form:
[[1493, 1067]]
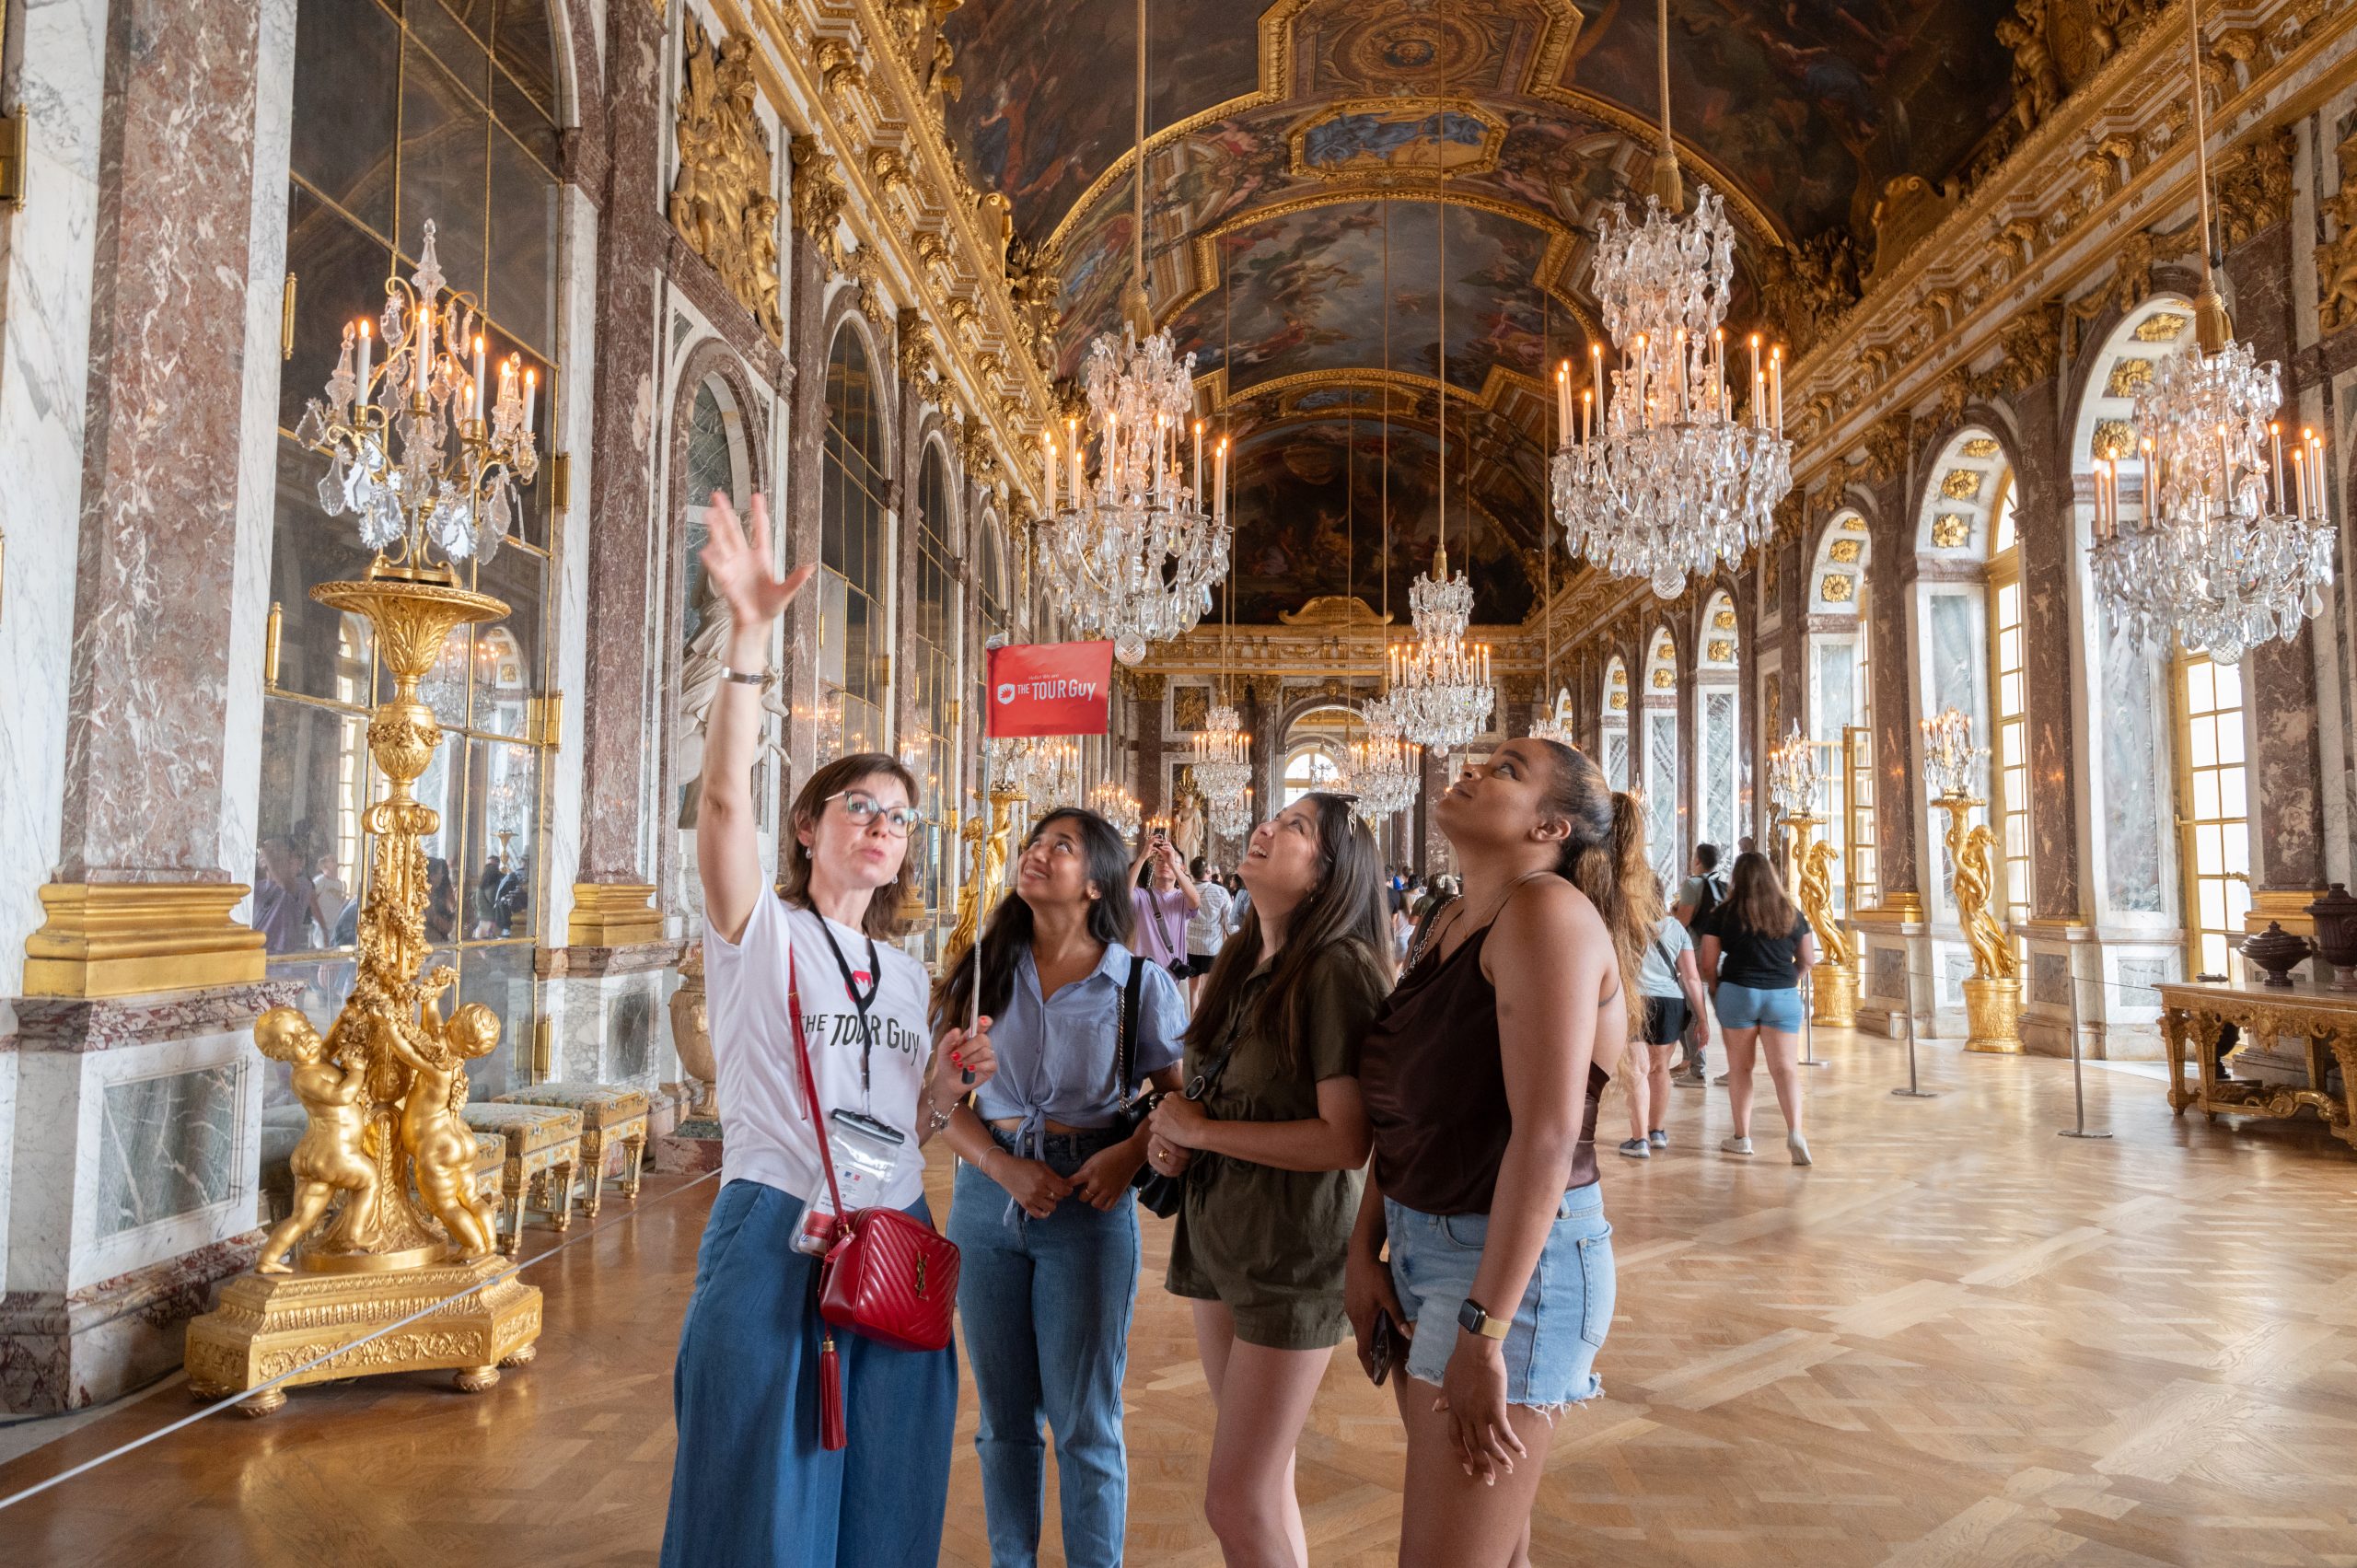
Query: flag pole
[[982, 840]]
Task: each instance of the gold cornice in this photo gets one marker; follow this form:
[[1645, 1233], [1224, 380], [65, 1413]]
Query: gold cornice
[[613, 914], [132, 939]]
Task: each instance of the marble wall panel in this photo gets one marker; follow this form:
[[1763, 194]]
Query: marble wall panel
[[45, 255], [158, 556], [2286, 765], [2135, 776], [2049, 979], [1888, 980], [2138, 977], [165, 1146]]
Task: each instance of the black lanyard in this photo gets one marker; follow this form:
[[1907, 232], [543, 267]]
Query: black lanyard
[[851, 986]]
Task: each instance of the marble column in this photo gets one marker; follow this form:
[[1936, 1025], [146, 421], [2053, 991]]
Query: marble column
[[1153, 800], [1894, 937], [613, 901], [1519, 703], [1433, 855], [135, 1110], [1263, 713]]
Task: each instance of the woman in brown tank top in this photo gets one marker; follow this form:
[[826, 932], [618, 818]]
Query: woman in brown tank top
[[1480, 1077]]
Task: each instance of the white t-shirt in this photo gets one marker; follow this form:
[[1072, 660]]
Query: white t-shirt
[[766, 1135]]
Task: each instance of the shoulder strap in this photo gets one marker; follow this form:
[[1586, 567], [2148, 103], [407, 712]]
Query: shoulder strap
[[1126, 1031], [1668, 960], [810, 1083], [1425, 931]]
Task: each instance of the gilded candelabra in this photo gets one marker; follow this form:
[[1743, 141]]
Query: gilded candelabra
[[385, 1223], [1993, 996]]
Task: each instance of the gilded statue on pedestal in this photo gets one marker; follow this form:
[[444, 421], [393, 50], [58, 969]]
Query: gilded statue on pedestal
[[334, 1154], [1817, 901], [1992, 955]]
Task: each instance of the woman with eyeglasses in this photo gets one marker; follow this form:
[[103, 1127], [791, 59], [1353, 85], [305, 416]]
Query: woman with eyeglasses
[[1269, 1136], [1046, 1227], [751, 1482], [1482, 1076]]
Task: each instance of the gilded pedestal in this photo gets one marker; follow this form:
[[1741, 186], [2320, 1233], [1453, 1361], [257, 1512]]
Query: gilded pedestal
[[1836, 986], [1993, 1012], [267, 1325]]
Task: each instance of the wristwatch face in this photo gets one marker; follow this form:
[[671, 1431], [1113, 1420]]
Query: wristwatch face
[[1471, 1318]]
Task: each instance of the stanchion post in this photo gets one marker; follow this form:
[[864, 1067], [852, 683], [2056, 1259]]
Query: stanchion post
[[1914, 1089], [2078, 1080]]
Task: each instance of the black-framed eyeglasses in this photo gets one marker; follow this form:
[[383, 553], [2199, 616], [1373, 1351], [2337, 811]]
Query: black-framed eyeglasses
[[864, 809]]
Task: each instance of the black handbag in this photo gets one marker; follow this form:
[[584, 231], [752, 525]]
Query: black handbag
[[1161, 1194]]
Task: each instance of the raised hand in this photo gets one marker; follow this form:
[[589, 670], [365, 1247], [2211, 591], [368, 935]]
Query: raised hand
[[736, 562]]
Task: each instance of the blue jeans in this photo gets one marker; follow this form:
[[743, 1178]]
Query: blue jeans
[[1046, 1304], [1560, 1323], [751, 1487], [1745, 1008]]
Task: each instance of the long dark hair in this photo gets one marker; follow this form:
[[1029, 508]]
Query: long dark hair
[[1756, 898], [1604, 856], [883, 916], [1006, 935], [1341, 921]]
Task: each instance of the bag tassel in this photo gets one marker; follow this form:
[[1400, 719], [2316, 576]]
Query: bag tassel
[[832, 1436]]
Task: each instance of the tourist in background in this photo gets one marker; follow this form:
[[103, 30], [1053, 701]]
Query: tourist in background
[[1755, 950], [1165, 897], [1669, 984], [751, 1480], [1045, 1222], [1271, 1143], [1701, 893], [1206, 927], [1483, 1075]]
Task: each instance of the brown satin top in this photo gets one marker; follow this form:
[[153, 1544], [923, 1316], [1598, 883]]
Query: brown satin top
[[1435, 1090]]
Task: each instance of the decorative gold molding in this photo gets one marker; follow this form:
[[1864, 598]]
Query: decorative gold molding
[[130, 939], [613, 914], [720, 198]]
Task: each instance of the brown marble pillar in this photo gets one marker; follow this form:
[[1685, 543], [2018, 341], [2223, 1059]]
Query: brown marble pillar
[[141, 902], [1153, 799], [1265, 698], [2043, 525], [613, 900], [1433, 855], [1519, 703], [1892, 670]]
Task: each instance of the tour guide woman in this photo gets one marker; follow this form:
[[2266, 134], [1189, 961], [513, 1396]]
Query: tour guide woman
[[751, 1484], [1481, 1078], [1045, 1224], [1276, 1136]]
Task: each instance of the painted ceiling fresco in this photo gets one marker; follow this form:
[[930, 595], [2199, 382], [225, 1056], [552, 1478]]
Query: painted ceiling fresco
[[1278, 125]]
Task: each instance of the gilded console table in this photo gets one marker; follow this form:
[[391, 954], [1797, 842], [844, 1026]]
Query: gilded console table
[[2194, 1016]]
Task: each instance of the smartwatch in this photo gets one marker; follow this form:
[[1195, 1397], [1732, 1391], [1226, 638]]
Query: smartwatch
[[1474, 1319]]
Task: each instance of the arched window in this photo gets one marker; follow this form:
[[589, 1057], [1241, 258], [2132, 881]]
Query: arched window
[[1660, 714], [395, 122], [1616, 724], [855, 545], [1721, 674], [1308, 772], [716, 461], [1841, 703], [929, 728]]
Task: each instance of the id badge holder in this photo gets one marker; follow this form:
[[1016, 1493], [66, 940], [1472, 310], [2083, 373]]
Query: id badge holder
[[866, 1153]]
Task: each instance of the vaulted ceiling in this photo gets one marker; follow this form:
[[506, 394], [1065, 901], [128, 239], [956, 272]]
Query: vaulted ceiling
[[1294, 179]]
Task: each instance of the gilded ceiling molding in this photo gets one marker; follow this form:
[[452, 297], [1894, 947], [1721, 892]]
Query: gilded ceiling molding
[[2336, 259], [2048, 218], [860, 86]]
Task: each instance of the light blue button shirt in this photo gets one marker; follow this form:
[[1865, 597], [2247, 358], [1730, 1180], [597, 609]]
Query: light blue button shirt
[[1057, 1057]]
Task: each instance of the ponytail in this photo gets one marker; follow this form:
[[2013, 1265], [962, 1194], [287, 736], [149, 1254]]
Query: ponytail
[[1605, 857]]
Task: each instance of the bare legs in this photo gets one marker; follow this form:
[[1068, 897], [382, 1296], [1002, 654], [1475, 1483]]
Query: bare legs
[[1263, 1397], [1783, 1048], [1639, 1086], [1451, 1521], [1657, 1083]]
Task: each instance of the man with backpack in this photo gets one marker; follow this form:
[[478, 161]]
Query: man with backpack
[[1697, 899]]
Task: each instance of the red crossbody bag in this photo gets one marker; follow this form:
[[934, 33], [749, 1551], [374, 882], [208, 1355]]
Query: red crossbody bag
[[887, 1277]]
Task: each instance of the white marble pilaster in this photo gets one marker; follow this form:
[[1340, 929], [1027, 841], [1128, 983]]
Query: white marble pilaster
[[577, 294], [44, 381]]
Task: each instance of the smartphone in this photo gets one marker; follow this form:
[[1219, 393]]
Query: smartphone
[[1379, 1354]]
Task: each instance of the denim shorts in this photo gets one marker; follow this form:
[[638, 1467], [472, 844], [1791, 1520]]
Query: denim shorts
[[1566, 1309], [1741, 1008]]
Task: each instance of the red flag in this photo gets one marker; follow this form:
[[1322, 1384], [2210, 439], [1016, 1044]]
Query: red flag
[[1048, 689]]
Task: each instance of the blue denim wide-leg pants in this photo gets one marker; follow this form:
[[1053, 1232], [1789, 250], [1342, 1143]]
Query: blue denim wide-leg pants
[[1047, 1306], [751, 1487]]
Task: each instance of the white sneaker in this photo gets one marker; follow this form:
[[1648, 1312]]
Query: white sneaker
[[1799, 1147], [1735, 1146]]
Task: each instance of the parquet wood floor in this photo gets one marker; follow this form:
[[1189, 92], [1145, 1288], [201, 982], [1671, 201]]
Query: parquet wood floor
[[1957, 1339]]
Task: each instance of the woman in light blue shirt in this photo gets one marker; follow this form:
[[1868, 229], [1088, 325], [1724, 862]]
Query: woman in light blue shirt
[[1042, 1216]]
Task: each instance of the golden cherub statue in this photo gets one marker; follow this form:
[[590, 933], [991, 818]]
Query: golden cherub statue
[[1992, 955], [332, 1156], [440, 1145]]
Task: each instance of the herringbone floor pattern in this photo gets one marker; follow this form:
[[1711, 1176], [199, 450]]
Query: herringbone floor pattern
[[1957, 1339]]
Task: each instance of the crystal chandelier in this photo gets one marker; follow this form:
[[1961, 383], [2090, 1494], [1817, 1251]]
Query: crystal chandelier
[[450, 496], [1232, 819], [1794, 781], [1387, 768], [1222, 756], [1117, 806], [2229, 550], [1557, 723], [1951, 761], [1131, 555], [1657, 477], [1051, 773]]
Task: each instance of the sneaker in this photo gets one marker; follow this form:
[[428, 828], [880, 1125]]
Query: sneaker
[[1658, 1138], [1721, 1080], [1735, 1146], [1799, 1147], [1690, 1080], [1637, 1149]]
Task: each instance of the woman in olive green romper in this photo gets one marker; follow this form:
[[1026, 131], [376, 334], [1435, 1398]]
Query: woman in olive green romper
[[1275, 1137]]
